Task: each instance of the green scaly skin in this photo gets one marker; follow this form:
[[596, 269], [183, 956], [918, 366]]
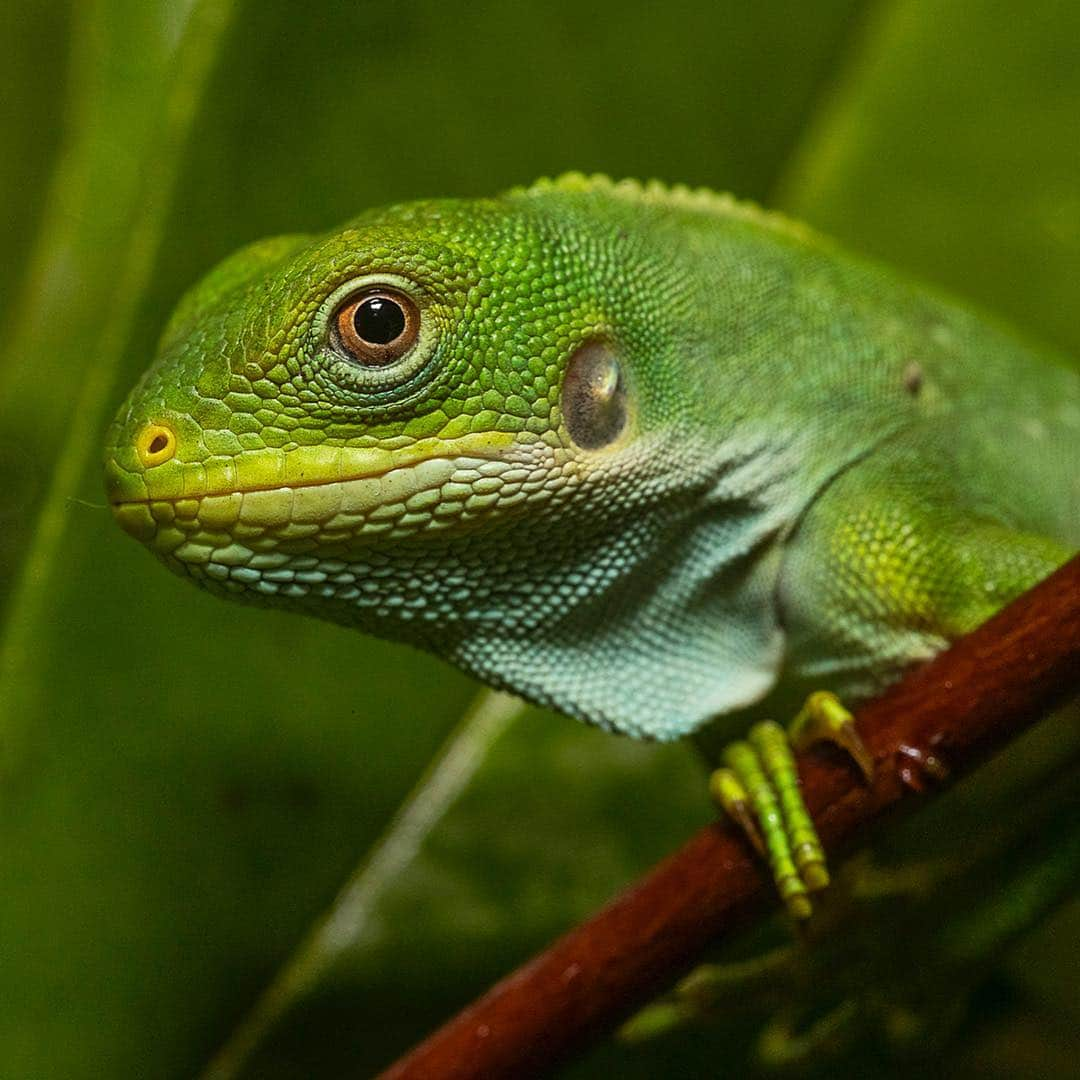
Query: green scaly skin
[[773, 468]]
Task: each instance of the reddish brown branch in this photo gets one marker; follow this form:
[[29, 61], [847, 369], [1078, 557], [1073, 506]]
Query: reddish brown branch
[[958, 708]]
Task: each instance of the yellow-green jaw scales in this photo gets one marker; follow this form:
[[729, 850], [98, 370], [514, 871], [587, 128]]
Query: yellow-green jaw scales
[[264, 510]]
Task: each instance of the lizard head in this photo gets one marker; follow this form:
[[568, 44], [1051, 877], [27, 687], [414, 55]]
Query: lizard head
[[374, 424], [470, 425]]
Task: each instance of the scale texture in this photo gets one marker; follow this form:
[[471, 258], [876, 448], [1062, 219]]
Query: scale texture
[[654, 457]]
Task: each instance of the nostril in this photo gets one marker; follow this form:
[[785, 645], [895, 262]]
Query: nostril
[[155, 444]]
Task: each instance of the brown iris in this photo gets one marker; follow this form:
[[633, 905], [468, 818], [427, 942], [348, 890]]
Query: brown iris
[[377, 327]]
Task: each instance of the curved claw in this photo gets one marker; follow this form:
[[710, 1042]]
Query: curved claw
[[823, 718]]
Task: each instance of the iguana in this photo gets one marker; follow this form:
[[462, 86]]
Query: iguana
[[649, 455]]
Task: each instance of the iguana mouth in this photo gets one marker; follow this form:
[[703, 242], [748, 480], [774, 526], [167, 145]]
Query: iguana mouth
[[296, 484], [397, 498], [266, 470]]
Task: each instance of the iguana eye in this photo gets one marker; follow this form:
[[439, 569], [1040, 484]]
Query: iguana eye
[[377, 327], [594, 397], [374, 341]]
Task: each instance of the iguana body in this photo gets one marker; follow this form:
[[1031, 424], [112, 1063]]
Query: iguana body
[[647, 455]]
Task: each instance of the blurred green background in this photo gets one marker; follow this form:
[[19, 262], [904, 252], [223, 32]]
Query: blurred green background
[[185, 786]]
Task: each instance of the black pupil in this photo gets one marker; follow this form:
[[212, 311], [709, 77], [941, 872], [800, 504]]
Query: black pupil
[[379, 321]]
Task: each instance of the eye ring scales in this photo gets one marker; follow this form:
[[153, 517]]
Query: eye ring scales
[[377, 326]]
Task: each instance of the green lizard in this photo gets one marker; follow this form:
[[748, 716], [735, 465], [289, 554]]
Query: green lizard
[[657, 458]]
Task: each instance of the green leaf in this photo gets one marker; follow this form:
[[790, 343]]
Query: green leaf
[[186, 786], [950, 146], [30, 135]]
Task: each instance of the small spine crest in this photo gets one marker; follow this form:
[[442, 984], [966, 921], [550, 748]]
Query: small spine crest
[[656, 193]]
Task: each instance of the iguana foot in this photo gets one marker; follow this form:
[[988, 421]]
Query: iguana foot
[[758, 787]]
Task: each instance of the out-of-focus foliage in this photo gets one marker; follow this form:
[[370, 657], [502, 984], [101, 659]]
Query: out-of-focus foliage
[[185, 785]]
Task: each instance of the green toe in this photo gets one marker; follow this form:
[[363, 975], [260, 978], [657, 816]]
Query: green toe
[[758, 788], [747, 783]]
